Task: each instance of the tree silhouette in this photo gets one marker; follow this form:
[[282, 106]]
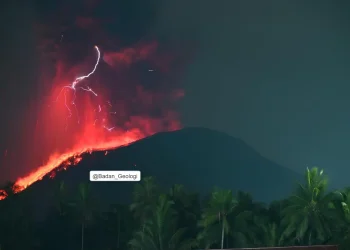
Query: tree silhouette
[[220, 206]]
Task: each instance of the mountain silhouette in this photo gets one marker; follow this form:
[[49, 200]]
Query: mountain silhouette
[[198, 158]]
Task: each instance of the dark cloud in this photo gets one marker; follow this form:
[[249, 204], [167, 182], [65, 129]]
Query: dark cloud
[[274, 73], [128, 56]]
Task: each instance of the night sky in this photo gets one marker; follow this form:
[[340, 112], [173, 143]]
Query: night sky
[[273, 73]]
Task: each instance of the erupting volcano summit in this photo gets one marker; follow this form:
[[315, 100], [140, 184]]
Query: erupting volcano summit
[[79, 118]]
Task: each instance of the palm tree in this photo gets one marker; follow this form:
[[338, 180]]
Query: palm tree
[[187, 206], [343, 221], [221, 204], [308, 215], [267, 228], [84, 206], [145, 196], [185, 203], [160, 230], [117, 212], [245, 230], [178, 193], [117, 224], [60, 198], [267, 233]]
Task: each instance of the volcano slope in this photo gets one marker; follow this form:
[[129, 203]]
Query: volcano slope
[[198, 158]]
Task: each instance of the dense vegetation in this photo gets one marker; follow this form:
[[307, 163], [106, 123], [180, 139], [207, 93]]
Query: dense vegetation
[[176, 219]]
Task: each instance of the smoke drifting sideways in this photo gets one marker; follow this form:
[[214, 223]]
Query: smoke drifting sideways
[[133, 97]]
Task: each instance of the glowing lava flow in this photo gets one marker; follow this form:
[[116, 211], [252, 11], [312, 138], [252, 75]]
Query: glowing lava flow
[[88, 137], [74, 154], [72, 157]]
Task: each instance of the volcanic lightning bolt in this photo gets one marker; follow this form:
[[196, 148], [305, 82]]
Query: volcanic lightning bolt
[[74, 84], [89, 137], [79, 79], [57, 160]]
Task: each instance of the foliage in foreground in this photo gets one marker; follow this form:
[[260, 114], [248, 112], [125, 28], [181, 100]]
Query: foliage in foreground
[[177, 219]]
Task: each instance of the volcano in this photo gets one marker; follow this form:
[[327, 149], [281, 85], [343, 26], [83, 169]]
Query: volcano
[[198, 158]]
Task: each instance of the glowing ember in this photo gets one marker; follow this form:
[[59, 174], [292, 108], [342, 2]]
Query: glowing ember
[[3, 194]]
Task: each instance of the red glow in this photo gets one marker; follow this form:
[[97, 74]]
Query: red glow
[[80, 121]]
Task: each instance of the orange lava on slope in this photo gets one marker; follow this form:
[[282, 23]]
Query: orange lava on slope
[[79, 122], [57, 160]]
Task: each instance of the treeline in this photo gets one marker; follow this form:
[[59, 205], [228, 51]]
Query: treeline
[[177, 219]]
